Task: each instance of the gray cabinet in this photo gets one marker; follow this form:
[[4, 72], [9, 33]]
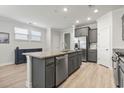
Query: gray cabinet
[[79, 32], [74, 61], [123, 27], [71, 63], [50, 73], [92, 55], [79, 58], [38, 73], [43, 73], [93, 36]]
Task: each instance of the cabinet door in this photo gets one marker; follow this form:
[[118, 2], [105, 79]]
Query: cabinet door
[[70, 65], [93, 36], [50, 73], [75, 63], [38, 73], [92, 56], [79, 56], [81, 31]]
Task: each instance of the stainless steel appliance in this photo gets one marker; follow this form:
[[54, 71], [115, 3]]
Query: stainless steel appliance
[[83, 44], [115, 64], [61, 69]]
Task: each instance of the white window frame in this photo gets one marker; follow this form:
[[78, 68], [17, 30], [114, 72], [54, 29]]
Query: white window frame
[[17, 31], [35, 35]]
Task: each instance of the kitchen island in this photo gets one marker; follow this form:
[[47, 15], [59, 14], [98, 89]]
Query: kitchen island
[[50, 69]]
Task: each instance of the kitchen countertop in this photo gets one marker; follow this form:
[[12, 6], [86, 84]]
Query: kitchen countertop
[[48, 54]]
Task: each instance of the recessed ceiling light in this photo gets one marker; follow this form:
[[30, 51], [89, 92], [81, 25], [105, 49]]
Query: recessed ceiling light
[[88, 18], [65, 9], [77, 21], [96, 10]]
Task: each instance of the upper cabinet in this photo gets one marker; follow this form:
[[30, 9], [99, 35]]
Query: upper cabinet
[[123, 27], [79, 32], [93, 36]]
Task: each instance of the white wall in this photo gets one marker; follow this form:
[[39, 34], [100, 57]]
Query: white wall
[[55, 40], [7, 50], [104, 43], [117, 28], [48, 39]]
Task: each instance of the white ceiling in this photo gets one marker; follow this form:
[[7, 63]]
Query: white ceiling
[[54, 16]]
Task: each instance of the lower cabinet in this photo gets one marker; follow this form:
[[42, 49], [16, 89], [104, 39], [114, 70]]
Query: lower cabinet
[[43, 73], [74, 61], [92, 55], [50, 73], [79, 58], [71, 64], [38, 73]]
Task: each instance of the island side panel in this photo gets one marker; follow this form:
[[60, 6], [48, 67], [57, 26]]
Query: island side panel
[[38, 73]]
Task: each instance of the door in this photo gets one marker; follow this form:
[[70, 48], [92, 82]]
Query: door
[[67, 40], [55, 42], [104, 46]]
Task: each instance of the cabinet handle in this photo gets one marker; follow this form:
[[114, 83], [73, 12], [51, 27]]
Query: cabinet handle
[[52, 63]]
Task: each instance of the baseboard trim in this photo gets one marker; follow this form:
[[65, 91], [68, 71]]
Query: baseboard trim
[[103, 66], [6, 64]]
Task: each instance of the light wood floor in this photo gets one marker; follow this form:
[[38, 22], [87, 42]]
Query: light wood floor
[[89, 75]]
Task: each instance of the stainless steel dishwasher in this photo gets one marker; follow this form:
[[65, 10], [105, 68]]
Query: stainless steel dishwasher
[[61, 69]]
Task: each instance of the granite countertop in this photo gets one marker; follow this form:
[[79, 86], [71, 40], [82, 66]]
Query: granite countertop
[[48, 54]]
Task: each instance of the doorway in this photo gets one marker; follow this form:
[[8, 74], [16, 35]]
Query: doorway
[[67, 41]]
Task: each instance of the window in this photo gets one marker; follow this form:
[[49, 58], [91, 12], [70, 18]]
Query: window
[[21, 34], [35, 36]]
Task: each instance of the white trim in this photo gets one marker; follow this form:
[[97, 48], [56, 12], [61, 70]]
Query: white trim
[[5, 64]]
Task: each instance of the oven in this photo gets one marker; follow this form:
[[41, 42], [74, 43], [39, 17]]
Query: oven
[[115, 65]]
